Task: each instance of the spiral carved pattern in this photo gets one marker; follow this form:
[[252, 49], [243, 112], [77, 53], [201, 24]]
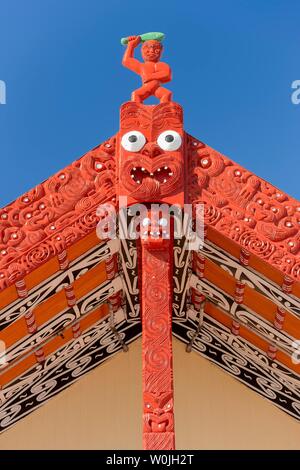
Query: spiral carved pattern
[[246, 209], [55, 214], [256, 245], [158, 417]]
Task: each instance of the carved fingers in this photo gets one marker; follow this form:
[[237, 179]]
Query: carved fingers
[[134, 40]]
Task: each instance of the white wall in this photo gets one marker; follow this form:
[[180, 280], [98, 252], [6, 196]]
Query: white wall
[[103, 411]]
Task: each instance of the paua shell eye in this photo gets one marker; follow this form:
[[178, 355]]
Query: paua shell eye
[[133, 141], [169, 140]]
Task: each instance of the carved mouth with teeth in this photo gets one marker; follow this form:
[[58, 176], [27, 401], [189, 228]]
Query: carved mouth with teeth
[[151, 178], [162, 175]]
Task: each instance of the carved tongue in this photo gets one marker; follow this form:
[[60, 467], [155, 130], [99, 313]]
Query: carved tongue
[[159, 427], [150, 187]]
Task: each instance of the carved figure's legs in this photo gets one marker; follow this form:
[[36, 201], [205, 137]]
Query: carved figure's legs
[[151, 88], [163, 94], [145, 91]]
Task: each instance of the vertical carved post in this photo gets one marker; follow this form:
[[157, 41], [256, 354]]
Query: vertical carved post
[[151, 170], [158, 415]]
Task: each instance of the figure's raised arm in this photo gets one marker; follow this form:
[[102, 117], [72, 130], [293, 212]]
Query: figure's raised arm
[[128, 59]]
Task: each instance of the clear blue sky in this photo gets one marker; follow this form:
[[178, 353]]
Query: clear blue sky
[[233, 64]]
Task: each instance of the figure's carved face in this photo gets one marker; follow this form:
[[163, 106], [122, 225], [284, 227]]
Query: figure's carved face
[[151, 51], [151, 151], [158, 412]]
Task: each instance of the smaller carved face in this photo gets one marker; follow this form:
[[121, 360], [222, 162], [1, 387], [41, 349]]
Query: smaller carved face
[[151, 51], [158, 412]]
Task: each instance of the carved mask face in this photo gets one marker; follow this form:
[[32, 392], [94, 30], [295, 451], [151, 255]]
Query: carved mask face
[[158, 412], [150, 145]]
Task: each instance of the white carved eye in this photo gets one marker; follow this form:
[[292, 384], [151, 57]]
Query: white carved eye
[[146, 222], [169, 140], [133, 141], [163, 222]]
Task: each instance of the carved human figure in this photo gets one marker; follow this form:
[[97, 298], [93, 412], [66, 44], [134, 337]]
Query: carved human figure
[[152, 71]]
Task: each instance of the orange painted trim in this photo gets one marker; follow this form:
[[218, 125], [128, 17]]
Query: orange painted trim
[[42, 273], [52, 346], [55, 304], [8, 296], [219, 277], [14, 332], [257, 302], [296, 289], [214, 312], [223, 242], [17, 370], [80, 247], [261, 266], [50, 308], [287, 361], [90, 280], [250, 336], [46, 270]]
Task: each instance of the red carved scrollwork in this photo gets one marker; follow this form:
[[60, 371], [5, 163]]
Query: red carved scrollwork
[[158, 430], [55, 214], [253, 213]]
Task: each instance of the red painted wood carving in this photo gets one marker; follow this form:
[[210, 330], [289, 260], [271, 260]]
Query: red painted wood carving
[[151, 159], [152, 71], [45, 221], [151, 153], [156, 302], [55, 214], [151, 169], [245, 208]]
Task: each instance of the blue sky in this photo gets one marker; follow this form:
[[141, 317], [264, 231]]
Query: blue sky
[[233, 64]]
